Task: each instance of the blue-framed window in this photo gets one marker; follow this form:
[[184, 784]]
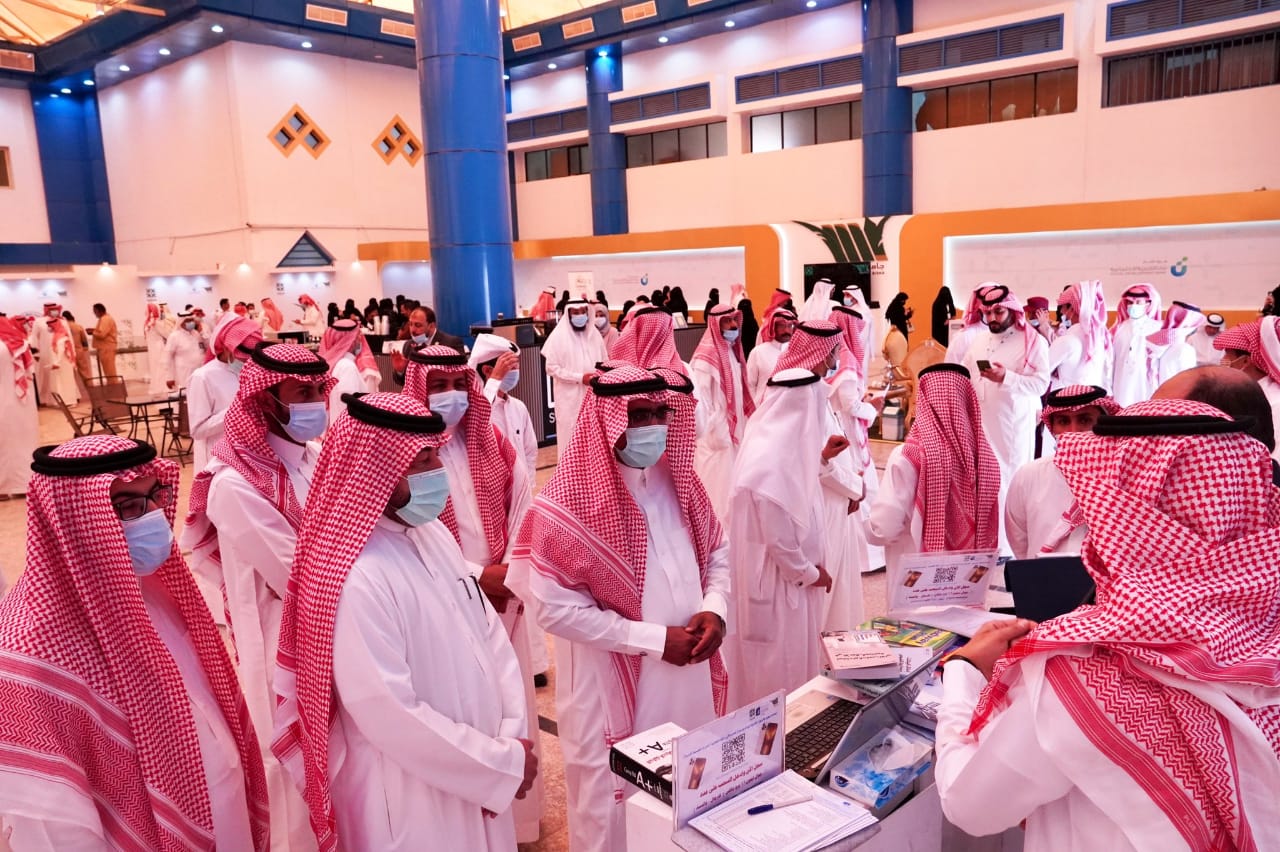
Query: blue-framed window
[[797, 128], [1203, 68], [1001, 99]]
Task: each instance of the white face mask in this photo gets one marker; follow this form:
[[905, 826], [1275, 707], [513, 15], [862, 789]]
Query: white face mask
[[509, 381], [1137, 311], [602, 322], [578, 320], [645, 445], [1066, 323], [428, 493], [450, 405], [235, 365], [307, 421], [731, 335], [1035, 323], [150, 540]]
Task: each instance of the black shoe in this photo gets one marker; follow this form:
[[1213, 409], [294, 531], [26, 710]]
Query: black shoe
[[540, 680]]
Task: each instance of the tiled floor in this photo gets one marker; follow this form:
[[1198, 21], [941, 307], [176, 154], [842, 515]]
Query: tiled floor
[[53, 429]]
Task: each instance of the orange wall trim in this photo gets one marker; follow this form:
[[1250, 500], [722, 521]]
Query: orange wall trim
[[922, 236], [761, 253]]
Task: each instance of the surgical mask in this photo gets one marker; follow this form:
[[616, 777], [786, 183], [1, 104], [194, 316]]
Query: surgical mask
[[420, 339], [235, 366], [848, 303], [1137, 311], [150, 540], [450, 405], [829, 374], [1035, 323], [189, 325], [602, 323], [428, 492], [731, 335], [509, 381], [1066, 323], [645, 445], [578, 320], [307, 421]]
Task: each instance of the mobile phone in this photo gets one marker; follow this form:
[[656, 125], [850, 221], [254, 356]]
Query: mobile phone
[[983, 364]]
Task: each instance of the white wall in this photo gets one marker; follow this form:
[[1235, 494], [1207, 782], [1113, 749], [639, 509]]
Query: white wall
[[23, 217], [550, 92], [625, 276], [930, 14], [555, 208]]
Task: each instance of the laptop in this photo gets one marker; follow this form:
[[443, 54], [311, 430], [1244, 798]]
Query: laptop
[[1048, 587], [827, 724]]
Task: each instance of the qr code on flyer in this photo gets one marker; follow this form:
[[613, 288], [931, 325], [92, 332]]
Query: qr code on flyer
[[944, 575], [733, 752]]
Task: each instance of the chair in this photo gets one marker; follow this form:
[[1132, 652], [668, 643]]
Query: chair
[[79, 423], [926, 354], [109, 408], [177, 439]]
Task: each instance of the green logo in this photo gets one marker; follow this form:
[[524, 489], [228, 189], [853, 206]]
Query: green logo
[[850, 242]]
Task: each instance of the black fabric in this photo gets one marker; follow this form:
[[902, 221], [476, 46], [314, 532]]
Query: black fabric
[[794, 383], [43, 462], [431, 424], [944, 310], [457, 359], [1187, 305], [817, 332], [1057, 399], [959, 369], [993, 295], [260, 357], [654, 384], [846, 310], [1195, 424]]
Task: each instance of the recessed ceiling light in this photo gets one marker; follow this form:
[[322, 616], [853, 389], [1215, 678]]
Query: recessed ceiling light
[[88, 82], [551, 66], [65, 90], [812, 4], [125, 68], [506, 76], [604, 54], [306, 45], [730, 24], [217, 28], [377, 56], [54, 95], [164, 51], [663, 39]]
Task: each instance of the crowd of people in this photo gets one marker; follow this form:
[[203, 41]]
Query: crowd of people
[[386, 571]]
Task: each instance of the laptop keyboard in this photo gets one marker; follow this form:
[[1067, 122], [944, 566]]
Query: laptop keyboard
[[814, 739]]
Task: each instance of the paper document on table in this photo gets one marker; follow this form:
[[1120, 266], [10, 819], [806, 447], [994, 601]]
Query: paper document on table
[[824, 819], [943, 578]]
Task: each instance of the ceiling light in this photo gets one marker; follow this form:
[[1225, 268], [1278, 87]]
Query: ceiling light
[[663, 39], [730, 24], [65, 90], [54, 95], [125, 68], [506, 76], [551, 66], [164, 51], [88, 82], [812, 4], [217, 28], [306, 45], [604, 54]]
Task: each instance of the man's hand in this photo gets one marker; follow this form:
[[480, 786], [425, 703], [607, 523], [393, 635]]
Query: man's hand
[[587, 377], [994, 374], [680, 645], [530, 769], [836, 445], [507, 362], [876, 401], [493, 583], [708, 629], [992, 640], [398, 361], [823, 581]]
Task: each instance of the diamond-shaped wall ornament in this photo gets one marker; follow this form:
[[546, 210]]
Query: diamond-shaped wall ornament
[[397, 138], [297, 129]]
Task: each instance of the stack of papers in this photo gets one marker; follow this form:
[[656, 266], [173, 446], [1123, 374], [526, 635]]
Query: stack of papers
[[822, 820], [858, 653]]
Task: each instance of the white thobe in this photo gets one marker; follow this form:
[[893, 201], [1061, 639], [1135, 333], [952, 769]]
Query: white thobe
[[566, 370], [1068, 364], [1033, 762], [1129, 346], [1165, 362], [760, 365], [845, 544], [1272, 391], [429, 705], [512, 419], [348, 379], [717, 448], [49, 816], [183, 354], [894, 521], [19, 428], [475, 550], [312, 321], [774, 639], [673, 593], [1010, 409], [209, 394], [1038, 498], [855, 417], [960, 341], [55, 371], [156, 337], [1206, 355], [256, 545]]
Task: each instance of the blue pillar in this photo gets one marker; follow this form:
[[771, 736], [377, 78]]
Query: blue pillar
[[74, 170], [608, 150], [886, 110], [468, 196]]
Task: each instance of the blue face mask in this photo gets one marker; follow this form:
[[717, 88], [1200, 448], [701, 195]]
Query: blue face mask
[[1137, 311], [578, 320], [307, 421], [428, 492], [509, 381], [1066, 323], [830, 374], [150, 540], [420, 339], [731, 335], [645, 445], [451, 405], [1035, 323], [235, 365]]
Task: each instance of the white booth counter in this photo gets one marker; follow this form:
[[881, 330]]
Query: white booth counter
[[915, 826]]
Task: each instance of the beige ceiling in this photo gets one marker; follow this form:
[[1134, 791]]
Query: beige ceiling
[[39, 21]]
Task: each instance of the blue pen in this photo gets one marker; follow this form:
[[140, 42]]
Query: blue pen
[[773, 806]]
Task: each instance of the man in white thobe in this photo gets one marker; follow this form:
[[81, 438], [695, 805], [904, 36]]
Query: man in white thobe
[[1010, 365], [971, 325], [718, 371], [636, 594], [213, 386], [183, 352], [156, 328], [401, 714], [245, 510], [572, 350], [1168, 351], [342, 343], [1038, 511], [1202, 340], [1080, 353], [775, 334], [19, 420], [1137, 316], [1254, 349], [55, 356]]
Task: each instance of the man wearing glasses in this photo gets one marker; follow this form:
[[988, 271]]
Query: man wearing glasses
[[623, 560], [124, 726]]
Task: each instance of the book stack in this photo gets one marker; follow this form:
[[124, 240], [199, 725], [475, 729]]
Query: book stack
[[914, 645], [645, 760]]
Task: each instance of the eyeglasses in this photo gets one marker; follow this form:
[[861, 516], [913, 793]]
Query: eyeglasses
[[131, 507], [647, 416]]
